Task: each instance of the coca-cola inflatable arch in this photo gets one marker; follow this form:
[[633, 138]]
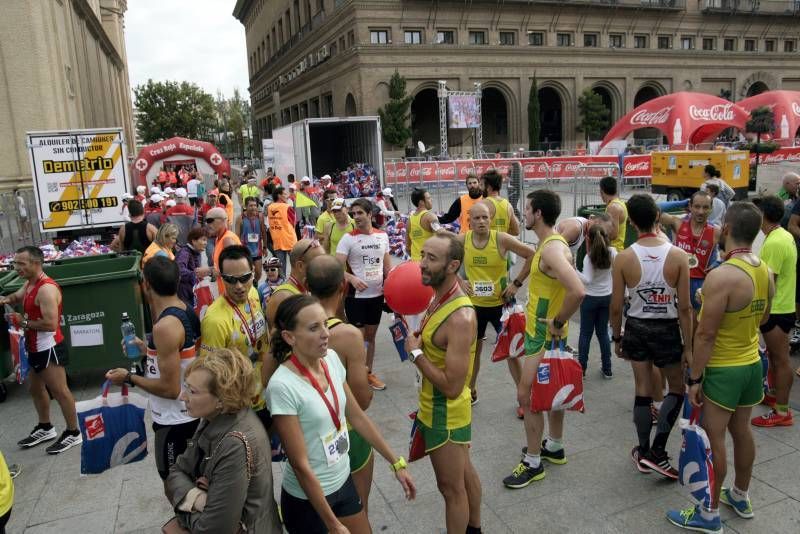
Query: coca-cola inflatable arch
[[684, 117], [785, 106], [178, 151]]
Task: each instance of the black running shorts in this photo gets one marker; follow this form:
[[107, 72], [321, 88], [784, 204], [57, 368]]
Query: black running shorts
[[299, 516], [488, 316], [55, 355], [171, 442], [653, 340], [784, 321], [363, 312]]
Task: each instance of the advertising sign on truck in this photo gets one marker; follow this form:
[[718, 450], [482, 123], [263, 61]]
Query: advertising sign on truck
[[79, 177]]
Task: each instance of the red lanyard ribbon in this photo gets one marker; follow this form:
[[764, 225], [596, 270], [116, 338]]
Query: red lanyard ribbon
[[743, 250], [647, 234], [296, 283], [436, 307], [333, 410], [250, 334]]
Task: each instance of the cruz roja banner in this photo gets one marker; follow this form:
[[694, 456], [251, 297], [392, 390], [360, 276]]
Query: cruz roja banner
[[79, 177]]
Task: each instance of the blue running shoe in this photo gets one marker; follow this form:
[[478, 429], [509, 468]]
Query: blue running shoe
[[742, 508], [690, 519]]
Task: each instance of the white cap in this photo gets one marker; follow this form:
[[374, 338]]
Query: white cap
[[387, 192], [326, 177], [168, 190], [338, 204], [155, 190], [306, 180], [181, 193], [170, 203], [252, 179], [141, 189], [126, 196], [155, 197]]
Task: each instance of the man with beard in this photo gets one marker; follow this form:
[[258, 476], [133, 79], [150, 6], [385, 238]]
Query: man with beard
[[555, 293], [697, 237], [442, 351], [459, 209]]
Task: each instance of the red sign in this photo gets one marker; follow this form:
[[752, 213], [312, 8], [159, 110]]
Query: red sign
[[95, 427], [779, 156], [150, 154], [639, 166]]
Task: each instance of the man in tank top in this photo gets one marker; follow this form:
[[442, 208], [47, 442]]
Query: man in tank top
[[136, 234], [658, 329]]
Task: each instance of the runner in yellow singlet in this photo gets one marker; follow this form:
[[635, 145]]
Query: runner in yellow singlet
[[442, 356], [301, 254], [725, 376], [422, 223], [503, 218], [616, 208], [555, 293]]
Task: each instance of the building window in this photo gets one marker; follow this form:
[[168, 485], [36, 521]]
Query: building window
[[445, 37], [788, 45], [708, 43], [664, 42], [687, 42], [640, 41], [342, 47], [564, 39], [749, 45], [536, 38], [379, 36], [769, 45], [616, 40], [351, 38], [589, 40], [332, 49], [729, 44], [477, 37], [508, 38], [413, 36]]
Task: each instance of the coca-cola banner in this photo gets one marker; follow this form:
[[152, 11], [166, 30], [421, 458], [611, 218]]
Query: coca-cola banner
[[785, 106], [637, 166], [683, 117], [791, 154]]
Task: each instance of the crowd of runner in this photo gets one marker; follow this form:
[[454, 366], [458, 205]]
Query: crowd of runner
[[282, 363]]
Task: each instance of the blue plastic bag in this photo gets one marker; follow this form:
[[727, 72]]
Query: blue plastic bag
[[695, 469], [113, 431], [19, 354]]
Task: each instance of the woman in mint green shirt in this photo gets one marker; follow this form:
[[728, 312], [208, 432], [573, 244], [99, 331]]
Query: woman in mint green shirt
[[311, 404]]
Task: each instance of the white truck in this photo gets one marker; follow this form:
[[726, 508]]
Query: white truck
[[79, 177], [314, 147]]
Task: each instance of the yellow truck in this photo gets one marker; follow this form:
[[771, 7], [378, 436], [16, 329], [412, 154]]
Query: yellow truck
[[679, 173]]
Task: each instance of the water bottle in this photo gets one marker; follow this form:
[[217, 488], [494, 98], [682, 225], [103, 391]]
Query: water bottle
[[129, 337]]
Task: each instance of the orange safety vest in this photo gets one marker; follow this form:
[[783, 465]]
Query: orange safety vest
[[218, 250], [282, 232], [228, 209], [154, 249], [466, 204]]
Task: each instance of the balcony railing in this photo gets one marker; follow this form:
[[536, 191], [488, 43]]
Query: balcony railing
[[647, 4], [754, 7]]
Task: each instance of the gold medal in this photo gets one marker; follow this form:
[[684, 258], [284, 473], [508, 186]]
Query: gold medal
[[693, 262]]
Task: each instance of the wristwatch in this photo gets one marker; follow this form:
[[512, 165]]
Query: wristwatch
[[129, 379], [692, 382], [558, 324], [414, 354], [399, 464], [517, 283]]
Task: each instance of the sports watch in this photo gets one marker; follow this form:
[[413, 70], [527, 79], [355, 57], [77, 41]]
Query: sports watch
[[399, 464], [414, 354], [692, 382]]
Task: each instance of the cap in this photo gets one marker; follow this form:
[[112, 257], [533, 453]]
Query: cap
[[168, 190], [126, 196], [306, 179], [338, 204], [155, 198], [155, 190], [273, 262], [387, 192], [181, 193], [170, 203], [326, 178], [141, 189]]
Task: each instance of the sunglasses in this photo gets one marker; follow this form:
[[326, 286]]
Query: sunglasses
[[231, 279], [273, 269], [313, 244], [210, 220]]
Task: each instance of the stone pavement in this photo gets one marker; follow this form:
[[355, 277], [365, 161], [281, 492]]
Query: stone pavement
[[597, 491]]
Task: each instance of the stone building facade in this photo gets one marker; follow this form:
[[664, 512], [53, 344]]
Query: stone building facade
[[317, 58], [63, 65]]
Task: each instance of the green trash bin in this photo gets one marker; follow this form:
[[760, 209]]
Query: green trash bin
[[95, 293], [6, 362]]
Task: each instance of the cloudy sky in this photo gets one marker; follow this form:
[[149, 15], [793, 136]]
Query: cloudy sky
[[193, 40]]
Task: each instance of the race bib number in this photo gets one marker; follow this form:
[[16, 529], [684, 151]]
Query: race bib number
[[336, 445], [483, 288], [152, 370], [252, 238], [373, 274]]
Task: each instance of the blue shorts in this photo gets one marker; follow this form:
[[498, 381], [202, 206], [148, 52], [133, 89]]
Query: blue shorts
[[694, 285]]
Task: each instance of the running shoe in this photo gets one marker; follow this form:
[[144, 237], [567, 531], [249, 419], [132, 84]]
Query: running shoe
[[37, 436], [608, 375], [65, 442], [690, 519], [14, 470], [742, 508], [659, 462], [522, 475], [558, 457], [773, 418], [520, 413], [636, 456], [375, 382]]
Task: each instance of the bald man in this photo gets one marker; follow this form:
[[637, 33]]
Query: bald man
[[300, 256], [789, 187]]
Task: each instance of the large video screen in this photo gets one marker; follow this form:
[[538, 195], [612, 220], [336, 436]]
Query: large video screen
[[463, 111]]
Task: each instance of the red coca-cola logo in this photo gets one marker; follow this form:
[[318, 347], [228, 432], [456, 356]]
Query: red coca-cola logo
[[796, 108], [571, 167], [637, 166], [95, 426], [650, 118], [447, 171], [718, 112]]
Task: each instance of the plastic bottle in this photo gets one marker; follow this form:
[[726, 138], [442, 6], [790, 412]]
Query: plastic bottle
[[129, 336], [784, 127], [677, 133]]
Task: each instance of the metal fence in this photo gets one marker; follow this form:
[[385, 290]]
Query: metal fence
[[19, 223]]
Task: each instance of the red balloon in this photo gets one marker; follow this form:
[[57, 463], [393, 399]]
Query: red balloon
[[404, 291]]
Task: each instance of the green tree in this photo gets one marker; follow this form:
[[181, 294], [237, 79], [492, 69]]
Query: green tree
[[761, 121], [394, 115], [238, 111], [594, 115], [534, 116], [168, 109]]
